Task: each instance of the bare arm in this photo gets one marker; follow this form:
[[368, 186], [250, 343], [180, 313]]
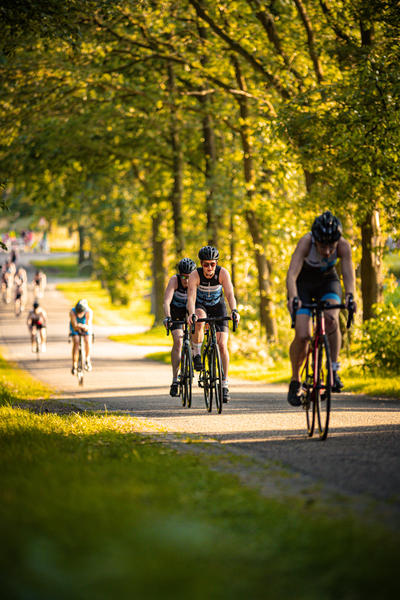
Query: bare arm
[[225, 280], [194, 281], [169, 292], [302, 250], [344, 253]]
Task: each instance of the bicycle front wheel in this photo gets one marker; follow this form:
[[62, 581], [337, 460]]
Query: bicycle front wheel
[[217, 378], [207, 383], [323, 386], [81, 365], [309, 397], [38, 347], [188, 377], [182, 386]]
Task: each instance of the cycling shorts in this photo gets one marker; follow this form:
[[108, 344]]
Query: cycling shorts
[[314, 285], [178, 313], [217, 310], [38, 325]]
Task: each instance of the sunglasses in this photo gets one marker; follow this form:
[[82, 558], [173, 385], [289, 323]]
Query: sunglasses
[[208, 264], [184, 276]]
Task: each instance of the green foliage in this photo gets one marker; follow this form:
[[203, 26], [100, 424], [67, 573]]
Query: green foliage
[[380, 344]]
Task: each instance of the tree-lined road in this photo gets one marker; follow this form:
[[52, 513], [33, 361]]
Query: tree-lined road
[[360, 456]]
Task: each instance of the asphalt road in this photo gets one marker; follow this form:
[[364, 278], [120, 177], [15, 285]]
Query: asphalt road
[[359, 460]]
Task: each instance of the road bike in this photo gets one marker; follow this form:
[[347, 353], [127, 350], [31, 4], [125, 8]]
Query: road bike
[[81, 356], [212, 374], [185, 376], [37, 342], [317, 374]]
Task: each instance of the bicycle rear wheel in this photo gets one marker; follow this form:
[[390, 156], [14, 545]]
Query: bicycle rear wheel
[[217, 378], [207, 384], [323, 386]]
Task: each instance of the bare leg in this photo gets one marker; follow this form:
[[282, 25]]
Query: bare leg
[[299, 346], [177, 335], [222, 338]]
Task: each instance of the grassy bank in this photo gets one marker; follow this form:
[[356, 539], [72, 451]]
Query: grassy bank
[[62, 267], [16, 384], [91, 509]]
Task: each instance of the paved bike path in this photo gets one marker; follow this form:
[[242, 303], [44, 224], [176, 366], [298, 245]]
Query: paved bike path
[[361, 455]]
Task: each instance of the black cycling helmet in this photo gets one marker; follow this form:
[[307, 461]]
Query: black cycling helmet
[[186, 266], [327, 228], [208, 253], [81, 306], [36, 305]]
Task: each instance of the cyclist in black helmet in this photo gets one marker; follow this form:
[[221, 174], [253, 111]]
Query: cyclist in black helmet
[[312, 276], [205, 299], [175, 300]]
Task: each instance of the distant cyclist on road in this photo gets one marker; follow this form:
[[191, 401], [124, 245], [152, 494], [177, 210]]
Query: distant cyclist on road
[[175, 301], [39, 284], [81, 317], [21, 292], [37, 319], [205, 299], [312, 276]]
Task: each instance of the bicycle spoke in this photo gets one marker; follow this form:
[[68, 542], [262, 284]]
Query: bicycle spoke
[[323, 388]]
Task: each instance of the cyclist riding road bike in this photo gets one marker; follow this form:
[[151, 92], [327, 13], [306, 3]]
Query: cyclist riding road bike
[[81, 317], [312, 276], [175, 301], [205, 299], [37, 319]]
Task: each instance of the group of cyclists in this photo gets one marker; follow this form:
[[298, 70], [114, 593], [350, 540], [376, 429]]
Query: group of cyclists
[[198, 292]]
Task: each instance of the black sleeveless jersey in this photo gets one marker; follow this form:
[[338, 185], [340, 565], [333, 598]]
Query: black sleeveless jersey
[[179, 298], [209, 291]]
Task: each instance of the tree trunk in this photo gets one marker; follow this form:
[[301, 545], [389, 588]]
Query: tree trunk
[[232, 243], [158, 269], [81, 254], [371, 264], [213, 219], [177, 188], [267, 311]]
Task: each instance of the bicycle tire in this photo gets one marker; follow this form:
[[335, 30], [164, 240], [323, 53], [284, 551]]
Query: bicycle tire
[[182, 386], [323, 386], [188, 376], [38, 345], [308, 402], [217, 377], [208, 390], [81, 363]]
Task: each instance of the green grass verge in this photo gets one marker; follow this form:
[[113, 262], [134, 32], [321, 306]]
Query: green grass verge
[[106, 313], [16, 384], [92, 509], [62, 267], [157, 336]]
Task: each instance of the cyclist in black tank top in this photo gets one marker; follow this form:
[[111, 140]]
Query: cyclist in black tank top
[[205, 299], [175, 301], [312, 276]]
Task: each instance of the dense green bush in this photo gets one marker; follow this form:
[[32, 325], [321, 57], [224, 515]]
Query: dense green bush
[[380, 344]]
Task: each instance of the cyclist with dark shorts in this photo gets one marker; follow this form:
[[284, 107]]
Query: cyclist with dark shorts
[[205, 299], [175, 301], [312, 276], [37, 319]]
